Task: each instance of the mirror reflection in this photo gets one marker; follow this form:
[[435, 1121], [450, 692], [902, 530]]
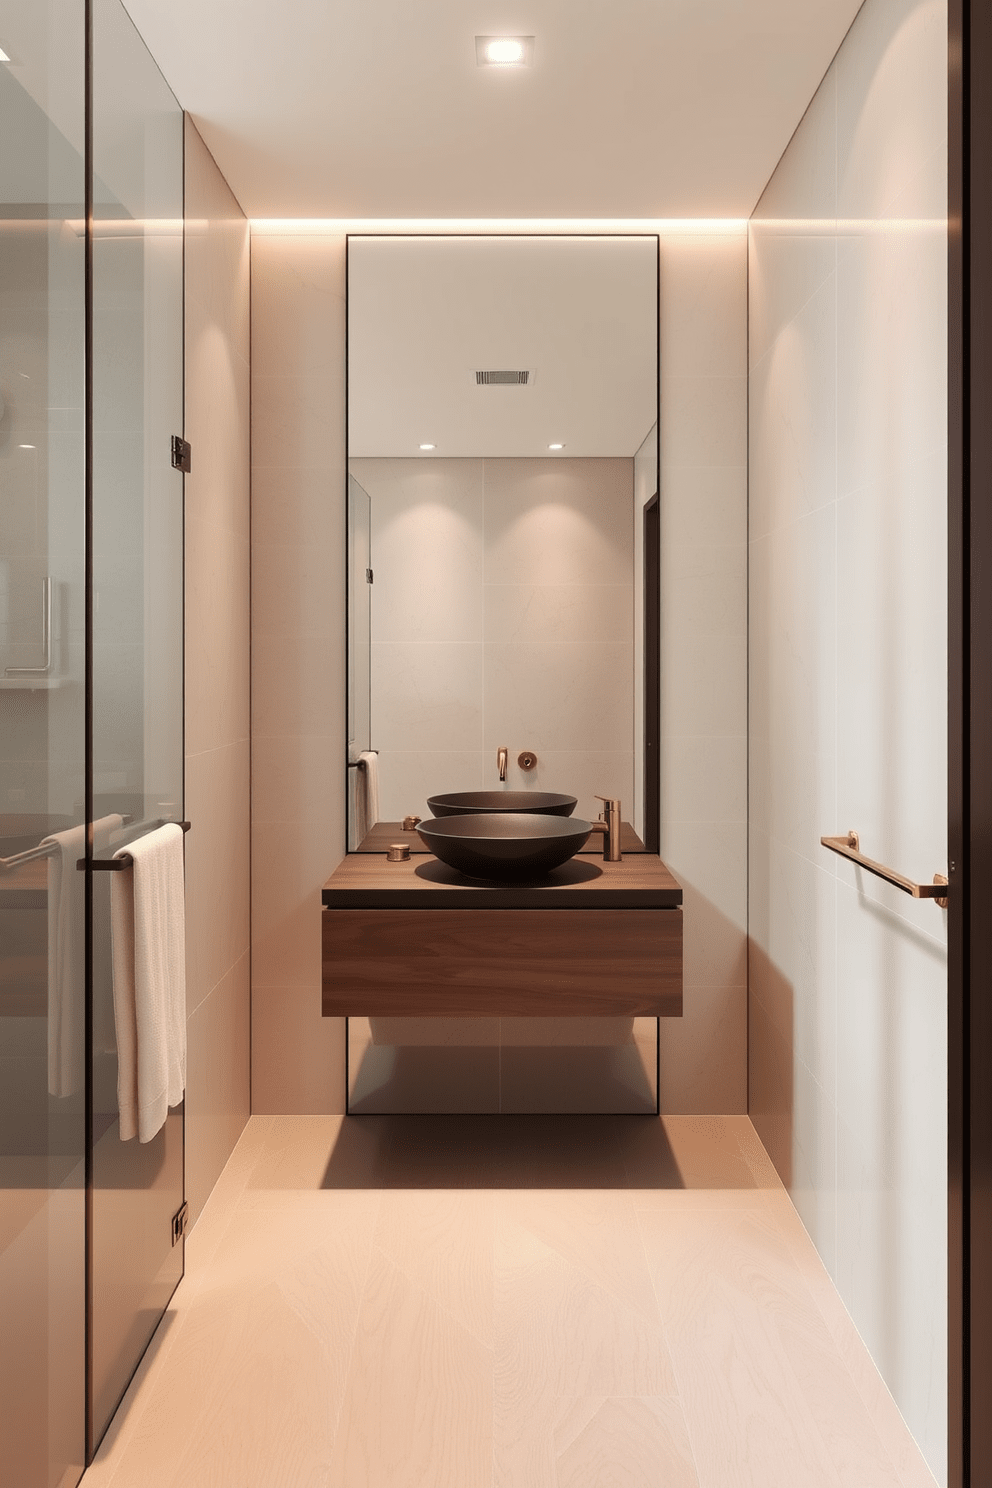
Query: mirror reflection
[[502, 428]]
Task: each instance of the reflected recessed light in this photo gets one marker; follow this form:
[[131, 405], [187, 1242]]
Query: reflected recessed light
[[504, 51], [26, 446], [428, 446], [556, 446]]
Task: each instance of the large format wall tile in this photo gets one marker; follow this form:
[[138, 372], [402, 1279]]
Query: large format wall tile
[[848, 696], [298, 663], [218, 724]]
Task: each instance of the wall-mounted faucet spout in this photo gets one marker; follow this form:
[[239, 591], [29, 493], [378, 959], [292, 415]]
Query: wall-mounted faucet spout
[[501, 757]]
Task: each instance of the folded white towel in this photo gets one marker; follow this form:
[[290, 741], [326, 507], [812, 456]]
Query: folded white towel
[[67, 952], [148, 920], [367, 793]]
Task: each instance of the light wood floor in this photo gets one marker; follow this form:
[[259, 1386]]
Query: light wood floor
[[504, 1302]]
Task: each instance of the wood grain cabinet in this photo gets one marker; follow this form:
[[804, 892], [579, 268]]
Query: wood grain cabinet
[[414, 938]]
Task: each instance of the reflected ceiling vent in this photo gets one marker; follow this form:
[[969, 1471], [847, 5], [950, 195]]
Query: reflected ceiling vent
[[505, 378]]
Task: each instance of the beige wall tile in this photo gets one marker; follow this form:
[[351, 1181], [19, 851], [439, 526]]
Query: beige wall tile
[[218, 1098], [297, 1056], [217, 853], [217, 671]]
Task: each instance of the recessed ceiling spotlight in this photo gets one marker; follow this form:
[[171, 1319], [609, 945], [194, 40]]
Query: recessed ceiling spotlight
[[428, 446], [504, 51], [26, 446], [556, 446]]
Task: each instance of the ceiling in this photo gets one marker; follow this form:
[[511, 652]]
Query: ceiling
[[376, 108], [578, 314]]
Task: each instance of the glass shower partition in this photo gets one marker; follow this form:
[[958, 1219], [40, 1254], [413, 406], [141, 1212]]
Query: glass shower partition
[[137, 646], [42, 745]]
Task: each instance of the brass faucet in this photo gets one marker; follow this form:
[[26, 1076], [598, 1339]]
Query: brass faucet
[[609, 826], [501, 756]]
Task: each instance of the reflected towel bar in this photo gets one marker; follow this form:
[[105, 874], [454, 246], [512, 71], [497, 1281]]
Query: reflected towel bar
[[43, 850], [117, 865], [360, 764], [850, 847], [11, 864]]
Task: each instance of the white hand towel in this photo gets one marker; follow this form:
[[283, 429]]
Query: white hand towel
[[367, 794], [148, 920], [67, 952]]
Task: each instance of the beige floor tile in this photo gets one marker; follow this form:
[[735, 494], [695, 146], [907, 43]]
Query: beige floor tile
[[418, 1407], [442, 1241], [595, 1231], [625, 1443], [382, 1302], [257, 1374], [560, 1333], [766, 1397]]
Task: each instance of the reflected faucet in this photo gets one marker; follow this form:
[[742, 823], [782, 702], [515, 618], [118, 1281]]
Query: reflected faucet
[[609, 826], [501, 755]]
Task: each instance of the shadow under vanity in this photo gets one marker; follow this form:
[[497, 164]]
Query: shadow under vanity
[[502, 611]]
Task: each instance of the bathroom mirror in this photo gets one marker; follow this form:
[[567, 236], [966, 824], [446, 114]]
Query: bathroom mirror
[[502, 461]]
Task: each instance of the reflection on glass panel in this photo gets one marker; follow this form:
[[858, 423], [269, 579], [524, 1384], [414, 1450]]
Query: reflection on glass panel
[[137, 640], [42, 942]]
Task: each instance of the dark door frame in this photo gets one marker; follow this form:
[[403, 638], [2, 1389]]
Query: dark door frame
[[970, 743], [652, 674]]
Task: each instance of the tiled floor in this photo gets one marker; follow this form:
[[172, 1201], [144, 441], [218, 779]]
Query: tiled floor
[[515, 1302]]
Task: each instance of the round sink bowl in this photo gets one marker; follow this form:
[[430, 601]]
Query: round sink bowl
[[507, 846], [481, 803]]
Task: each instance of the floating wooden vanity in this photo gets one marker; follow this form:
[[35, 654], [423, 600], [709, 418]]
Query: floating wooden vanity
[[418, 939]]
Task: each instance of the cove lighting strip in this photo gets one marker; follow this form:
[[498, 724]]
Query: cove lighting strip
[[339, 226]]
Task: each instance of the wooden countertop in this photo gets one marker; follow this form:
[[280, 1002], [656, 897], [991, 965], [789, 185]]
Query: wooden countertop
[[368, 881]]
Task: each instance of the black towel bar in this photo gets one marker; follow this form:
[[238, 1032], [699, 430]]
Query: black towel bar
[[117, 865]]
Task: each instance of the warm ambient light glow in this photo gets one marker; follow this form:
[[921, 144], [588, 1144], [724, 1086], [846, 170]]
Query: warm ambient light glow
[[504, 51], [705, 227], [428, 446], [556, 446]]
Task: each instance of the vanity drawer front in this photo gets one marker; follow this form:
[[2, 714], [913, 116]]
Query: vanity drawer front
[[514, 962]]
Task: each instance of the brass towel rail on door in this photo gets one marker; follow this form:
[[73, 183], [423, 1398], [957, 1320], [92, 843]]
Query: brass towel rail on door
[[850, 847]]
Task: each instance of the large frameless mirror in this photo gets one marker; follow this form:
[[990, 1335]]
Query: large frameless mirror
[[502, 443]]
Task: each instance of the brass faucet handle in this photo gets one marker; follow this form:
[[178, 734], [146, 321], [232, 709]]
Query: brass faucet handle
[[410, 822]]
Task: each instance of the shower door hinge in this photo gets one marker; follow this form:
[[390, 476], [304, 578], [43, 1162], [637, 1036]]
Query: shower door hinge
[[179, 1223], [368, 576], [181, 454]]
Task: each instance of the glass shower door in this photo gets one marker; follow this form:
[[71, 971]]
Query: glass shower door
[[137, 641], [42, 745]]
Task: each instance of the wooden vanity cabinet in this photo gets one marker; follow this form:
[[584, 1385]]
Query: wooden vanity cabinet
[[416, 939]]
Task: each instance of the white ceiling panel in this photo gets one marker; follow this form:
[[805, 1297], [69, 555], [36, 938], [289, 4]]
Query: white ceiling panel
[[376, 108]]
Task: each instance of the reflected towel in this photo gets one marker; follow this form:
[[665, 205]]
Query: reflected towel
[[148, 921], [67, 952], [367, 793]]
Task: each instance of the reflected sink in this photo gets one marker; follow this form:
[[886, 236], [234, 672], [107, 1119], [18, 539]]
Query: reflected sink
[[472, 803], [507, 846]]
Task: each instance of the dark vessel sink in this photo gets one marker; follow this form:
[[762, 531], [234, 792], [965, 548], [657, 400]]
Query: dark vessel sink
[[506, 846], [473, 803]]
